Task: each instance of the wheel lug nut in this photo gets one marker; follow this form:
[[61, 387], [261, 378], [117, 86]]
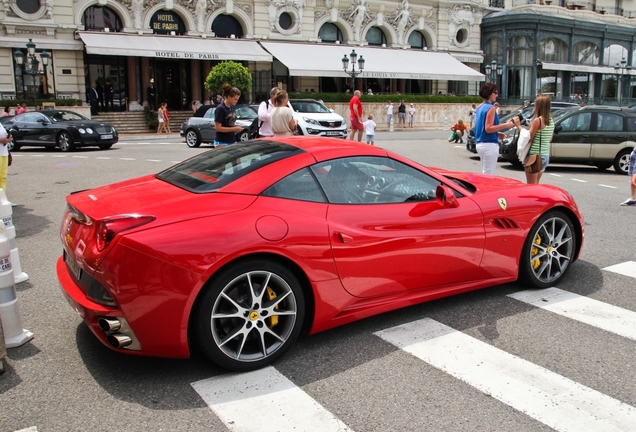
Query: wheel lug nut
[[259, 324], [264, 313], [255, 306], [248, 325]]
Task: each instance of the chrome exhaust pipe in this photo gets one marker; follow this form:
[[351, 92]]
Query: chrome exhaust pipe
[[119, 340], [109, 325]]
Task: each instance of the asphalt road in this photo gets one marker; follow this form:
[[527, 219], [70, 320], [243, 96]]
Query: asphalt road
[[491, 364]]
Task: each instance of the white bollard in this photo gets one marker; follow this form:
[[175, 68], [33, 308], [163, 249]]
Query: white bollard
[[391, 125], [6, 213], [445, 123], [14, 334]]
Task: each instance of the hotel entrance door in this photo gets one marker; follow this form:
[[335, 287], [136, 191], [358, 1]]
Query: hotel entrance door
[[173, 86]]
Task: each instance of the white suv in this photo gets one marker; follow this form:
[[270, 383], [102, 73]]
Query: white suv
[[314, 118]]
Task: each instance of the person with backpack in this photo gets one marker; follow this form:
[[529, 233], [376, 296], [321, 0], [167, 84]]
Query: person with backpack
[[264, 111]]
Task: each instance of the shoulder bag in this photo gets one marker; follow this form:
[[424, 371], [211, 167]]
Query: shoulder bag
[[533, 163]]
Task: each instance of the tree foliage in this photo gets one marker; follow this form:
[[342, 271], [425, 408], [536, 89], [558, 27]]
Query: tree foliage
[[229, 72]]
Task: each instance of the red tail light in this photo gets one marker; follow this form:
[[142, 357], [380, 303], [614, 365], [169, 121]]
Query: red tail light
[[108, 229]]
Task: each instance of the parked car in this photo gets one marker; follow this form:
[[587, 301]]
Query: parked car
[[602, 136], [67, 130], [314, 118], [200, 127], [525, 112], [239, 249]]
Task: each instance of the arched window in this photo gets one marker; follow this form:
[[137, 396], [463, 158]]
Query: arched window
[[553, 50], [586, 53], [614, 54], [167, 22], [330, 33], [99, 18], [417, 40], [226, 26], [375, 36]]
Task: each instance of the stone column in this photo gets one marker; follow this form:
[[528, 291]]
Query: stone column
[[205, 70], [133, 73], [195, 81], [145, 79]]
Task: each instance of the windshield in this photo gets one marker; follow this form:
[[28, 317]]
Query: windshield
[[245, 112], [309, 106], [58, 116], [214, 169]]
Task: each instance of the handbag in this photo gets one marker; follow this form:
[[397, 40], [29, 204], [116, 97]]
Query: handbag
[[523, 144], [533, 163], [10, 159]]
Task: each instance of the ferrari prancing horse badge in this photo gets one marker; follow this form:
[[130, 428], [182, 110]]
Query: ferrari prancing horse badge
[[502, 203]]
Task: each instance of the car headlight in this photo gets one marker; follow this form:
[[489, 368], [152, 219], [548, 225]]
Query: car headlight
[[508, 140], [89, 130], [311, 121], [81, 130]]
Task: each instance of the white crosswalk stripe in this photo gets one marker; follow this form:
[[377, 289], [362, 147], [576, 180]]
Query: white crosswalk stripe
[[627, 268], [265, 400], [552, 399], [586, 310]]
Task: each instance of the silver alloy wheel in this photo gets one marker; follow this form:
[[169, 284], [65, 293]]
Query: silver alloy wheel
[[244, 136], [253, 316], [623, 163], [552, 249], [65, 142], [192, 139]]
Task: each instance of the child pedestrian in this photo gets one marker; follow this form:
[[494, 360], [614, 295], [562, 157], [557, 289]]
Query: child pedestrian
[[411, 115], [632, 174], [458, 131], [369, 127]]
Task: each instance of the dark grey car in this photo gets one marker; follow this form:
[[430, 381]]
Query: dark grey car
[[197, 130]]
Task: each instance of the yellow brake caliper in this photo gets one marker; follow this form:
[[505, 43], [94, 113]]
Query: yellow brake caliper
[[271, 295], [535, 251]]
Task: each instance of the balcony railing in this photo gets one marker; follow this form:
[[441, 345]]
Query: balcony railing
[[571, 4]]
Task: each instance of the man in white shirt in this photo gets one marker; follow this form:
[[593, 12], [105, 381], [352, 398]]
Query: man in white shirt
[[264, 110], [389, 114]]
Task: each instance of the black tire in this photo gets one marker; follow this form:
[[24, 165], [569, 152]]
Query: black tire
[[246, 333], [243, 136], [65, 142], [11, 145], [548, 250], [621, 163], [105, 146], [299, 131], [192, 138]]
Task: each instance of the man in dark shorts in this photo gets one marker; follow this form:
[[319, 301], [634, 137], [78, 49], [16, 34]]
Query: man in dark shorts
[[355, 115], [402, 114]]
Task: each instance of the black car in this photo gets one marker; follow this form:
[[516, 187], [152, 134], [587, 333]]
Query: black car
[[200, 127], [596, 135], [526, 114], [59, 128]]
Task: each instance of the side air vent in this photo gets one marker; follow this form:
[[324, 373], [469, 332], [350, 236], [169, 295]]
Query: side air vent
[[504, 223]]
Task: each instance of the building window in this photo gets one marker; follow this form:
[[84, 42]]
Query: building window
[[330, 33], [586, 53], [417, 40], [98, 18], [29, 6], [614, 54], [285, 21], [167, 22], [375, 36], [42, 86], [226, 26], [553, 49]]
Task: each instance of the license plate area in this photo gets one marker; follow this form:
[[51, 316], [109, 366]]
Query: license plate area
[[72, 266], [332, 133], [109, 136]]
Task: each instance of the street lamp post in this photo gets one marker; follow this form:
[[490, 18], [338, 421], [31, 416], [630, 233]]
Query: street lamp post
[[622, 69], [493, 71], [31, 67], [353, 72]]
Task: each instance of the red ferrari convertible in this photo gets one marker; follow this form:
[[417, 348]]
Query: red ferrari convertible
[[241, 248]]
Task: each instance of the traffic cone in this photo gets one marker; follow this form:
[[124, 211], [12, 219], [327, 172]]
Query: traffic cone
[[14, 334], [6, 213]]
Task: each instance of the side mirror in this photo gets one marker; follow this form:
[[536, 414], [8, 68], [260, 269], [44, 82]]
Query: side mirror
[[446, 197], [558, 128]]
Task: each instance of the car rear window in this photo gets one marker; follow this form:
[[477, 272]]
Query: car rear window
[[214, 169]]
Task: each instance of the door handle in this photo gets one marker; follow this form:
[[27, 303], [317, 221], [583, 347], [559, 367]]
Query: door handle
[[585, 136], [344, 238]]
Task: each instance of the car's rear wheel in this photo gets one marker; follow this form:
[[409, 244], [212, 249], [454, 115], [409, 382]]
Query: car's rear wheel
[[192, 139], [243, 136], [621, 163], [105, 146], [548, 250], [65, 142], [12, 146], [249, 315]]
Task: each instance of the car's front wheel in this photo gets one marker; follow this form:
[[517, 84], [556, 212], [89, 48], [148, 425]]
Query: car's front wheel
[[621, 163], [192, 139], [65, 142], [243, 136], [548, 250], [249, 315]]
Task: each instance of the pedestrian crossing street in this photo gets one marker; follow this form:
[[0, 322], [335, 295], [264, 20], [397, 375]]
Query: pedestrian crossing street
[[267, 400]]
